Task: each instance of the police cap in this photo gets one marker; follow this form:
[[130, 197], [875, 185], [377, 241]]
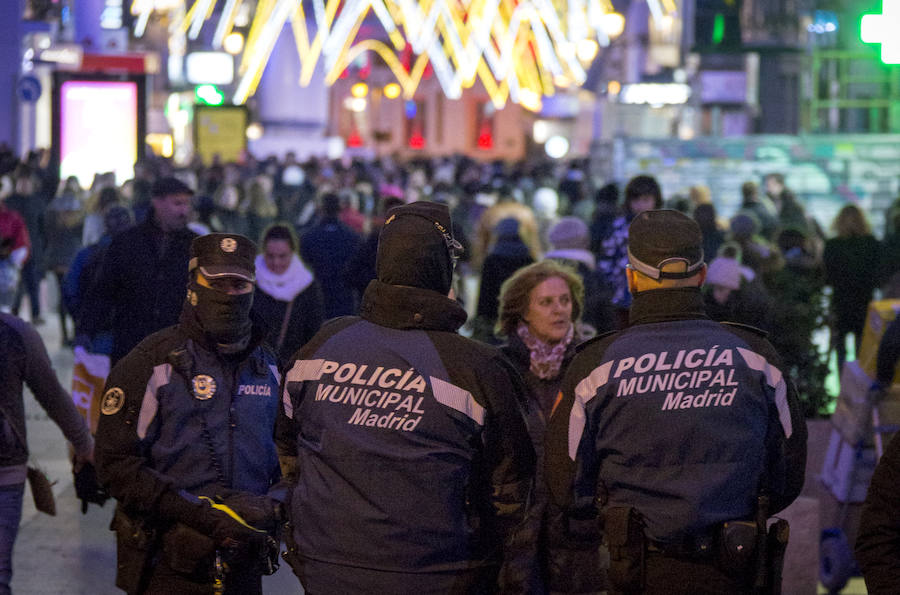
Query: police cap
[[223, 255], [659, 237]]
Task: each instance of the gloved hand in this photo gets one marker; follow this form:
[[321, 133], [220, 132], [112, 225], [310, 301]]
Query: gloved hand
[[262, 512], [87, 487], [210, 519], [226, 528]]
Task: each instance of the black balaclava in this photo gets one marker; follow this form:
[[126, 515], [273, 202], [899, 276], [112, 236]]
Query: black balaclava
[[223, 318]]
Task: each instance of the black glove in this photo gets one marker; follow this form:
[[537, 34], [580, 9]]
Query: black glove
[[200, 515], [226, 531], [260, 512], [87, 487]]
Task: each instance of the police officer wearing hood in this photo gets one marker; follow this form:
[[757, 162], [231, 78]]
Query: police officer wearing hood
[[411, 463], [185, 438], [684, 432]]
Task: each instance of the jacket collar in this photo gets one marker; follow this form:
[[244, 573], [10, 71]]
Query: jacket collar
[[660, 305], [403, 307]]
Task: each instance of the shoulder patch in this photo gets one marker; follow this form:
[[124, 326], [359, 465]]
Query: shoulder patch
[[583, 345], [747, 327], [112, 401]]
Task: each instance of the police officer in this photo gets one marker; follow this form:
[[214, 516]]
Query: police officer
[[685, 432], [412, 461], [878, 541], [185, 438]]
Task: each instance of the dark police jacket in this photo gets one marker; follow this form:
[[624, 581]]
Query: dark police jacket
[[151, 437], [680, 417], [878, 541], [412, 453]]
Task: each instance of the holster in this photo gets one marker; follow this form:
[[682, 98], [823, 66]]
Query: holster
[[135, 549], [185, 549], [624, 534], [291, 555], [776, 545], [737, 547]]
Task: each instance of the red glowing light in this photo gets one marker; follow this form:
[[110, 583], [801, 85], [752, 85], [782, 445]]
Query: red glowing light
[[417, 141]]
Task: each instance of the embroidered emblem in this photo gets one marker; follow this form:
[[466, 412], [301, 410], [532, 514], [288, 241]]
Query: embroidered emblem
[[113, 400], [204, 386], [192, 297], [228, 245]]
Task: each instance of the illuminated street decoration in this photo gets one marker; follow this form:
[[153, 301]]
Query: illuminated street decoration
[[520, 50]]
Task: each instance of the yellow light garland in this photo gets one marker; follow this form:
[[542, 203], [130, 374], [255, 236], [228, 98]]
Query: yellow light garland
[[517, 48]]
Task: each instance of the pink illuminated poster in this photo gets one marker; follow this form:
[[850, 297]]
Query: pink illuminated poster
[[98, 129]]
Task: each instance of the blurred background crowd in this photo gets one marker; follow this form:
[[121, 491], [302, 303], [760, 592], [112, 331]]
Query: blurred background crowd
[[771, 265]]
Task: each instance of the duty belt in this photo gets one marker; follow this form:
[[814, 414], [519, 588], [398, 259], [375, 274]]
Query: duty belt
[[700, 546]]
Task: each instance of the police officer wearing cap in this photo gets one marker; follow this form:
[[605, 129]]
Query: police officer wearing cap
[[677, 437], [412, 465], [185, 438]]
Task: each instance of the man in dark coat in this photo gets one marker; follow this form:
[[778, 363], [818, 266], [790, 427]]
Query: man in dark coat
[[144, 272], [327, 247]]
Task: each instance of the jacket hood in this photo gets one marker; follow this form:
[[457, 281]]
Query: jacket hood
[[402, 307]]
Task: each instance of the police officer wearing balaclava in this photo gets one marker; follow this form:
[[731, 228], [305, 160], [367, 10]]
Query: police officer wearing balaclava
[[410, 459], [184, 441]]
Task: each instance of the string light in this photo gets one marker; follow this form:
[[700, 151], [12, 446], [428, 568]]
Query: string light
[[516, 48]]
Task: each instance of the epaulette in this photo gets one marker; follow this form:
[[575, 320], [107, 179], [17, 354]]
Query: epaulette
[[583, 345], [181, 359], [747, 327]]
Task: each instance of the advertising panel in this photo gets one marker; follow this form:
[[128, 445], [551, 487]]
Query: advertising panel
[[220, 131], [98, 125]]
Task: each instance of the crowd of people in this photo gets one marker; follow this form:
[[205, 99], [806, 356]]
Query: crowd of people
[[769, 263], [360, 274]]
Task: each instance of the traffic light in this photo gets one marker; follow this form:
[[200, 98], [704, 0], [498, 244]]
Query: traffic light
[[880, 28], [209, 95]]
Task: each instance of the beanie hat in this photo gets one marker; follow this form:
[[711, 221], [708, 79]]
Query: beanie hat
[[659, 237], [569, 233], [725, 272], [170, 186], [744, 225], [416, 247]]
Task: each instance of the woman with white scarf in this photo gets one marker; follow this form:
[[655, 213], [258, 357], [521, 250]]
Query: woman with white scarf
[[287, 298]]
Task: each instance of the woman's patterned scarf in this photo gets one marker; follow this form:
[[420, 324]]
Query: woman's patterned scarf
[[546, 359]]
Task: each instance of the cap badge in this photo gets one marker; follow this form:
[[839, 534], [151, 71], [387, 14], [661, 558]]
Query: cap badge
[[204, 386], [228, 245]]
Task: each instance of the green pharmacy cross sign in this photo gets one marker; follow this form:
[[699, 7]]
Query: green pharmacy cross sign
[[882, 28]]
